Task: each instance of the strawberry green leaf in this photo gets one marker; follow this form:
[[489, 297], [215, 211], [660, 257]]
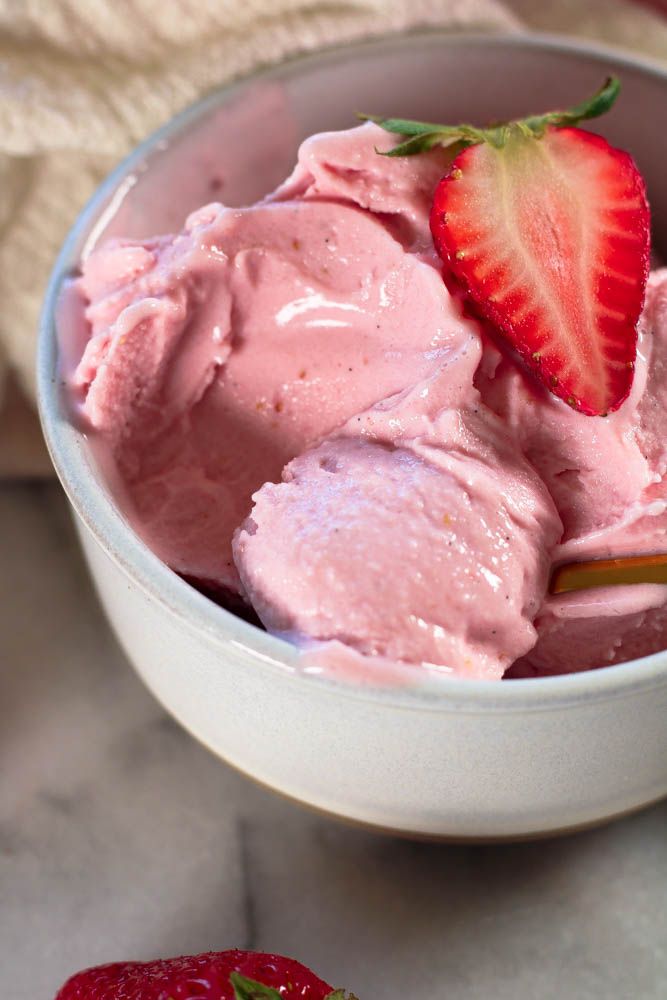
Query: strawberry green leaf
[[423, 136], [406, 127], [249, 989], [600, 102], [400, 126], [419, 144]]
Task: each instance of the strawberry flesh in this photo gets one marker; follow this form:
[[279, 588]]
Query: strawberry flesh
[[205, 977], [549, 237]]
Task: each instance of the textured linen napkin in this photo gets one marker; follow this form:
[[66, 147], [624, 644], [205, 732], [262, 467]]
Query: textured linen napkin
[[82, 81]]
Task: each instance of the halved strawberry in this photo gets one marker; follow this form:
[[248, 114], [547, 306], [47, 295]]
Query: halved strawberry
[[550, 238], [546, 227]]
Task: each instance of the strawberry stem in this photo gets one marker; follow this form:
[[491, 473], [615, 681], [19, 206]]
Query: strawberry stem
[[422, 136]]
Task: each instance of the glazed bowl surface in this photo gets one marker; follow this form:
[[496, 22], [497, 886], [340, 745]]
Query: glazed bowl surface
[[429, 756]]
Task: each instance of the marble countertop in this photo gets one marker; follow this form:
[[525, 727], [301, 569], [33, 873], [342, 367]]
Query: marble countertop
[[121, 837]]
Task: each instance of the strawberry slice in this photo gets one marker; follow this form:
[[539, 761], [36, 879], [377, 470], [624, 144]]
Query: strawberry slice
[[550, 238], [546, 227]]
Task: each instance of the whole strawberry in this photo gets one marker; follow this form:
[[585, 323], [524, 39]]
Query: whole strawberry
[[546, 228], [223, 975]]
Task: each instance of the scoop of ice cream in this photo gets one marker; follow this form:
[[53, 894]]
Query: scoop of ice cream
[[652, 404], [596, 469], [609, 625], [596, 628], [345, 166], [593, 466], [433, 550], [219, 354], [602, 626]]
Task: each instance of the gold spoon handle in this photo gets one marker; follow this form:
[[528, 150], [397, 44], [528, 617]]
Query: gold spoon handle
[[609, 573]]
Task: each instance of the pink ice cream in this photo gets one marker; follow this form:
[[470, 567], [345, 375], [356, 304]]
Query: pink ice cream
[[616, 505], [430, 550], [219, 354], [428, 484]]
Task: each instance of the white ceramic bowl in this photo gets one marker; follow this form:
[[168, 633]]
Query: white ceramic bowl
[[445, 758]]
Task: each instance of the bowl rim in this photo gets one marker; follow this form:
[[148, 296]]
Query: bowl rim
[[197, 613]]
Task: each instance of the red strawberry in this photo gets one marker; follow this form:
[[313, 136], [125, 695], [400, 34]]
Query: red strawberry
[[223, 975], [550, 238], [546, 227]]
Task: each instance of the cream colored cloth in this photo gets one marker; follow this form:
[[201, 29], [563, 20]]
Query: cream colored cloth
[[81, 81]]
